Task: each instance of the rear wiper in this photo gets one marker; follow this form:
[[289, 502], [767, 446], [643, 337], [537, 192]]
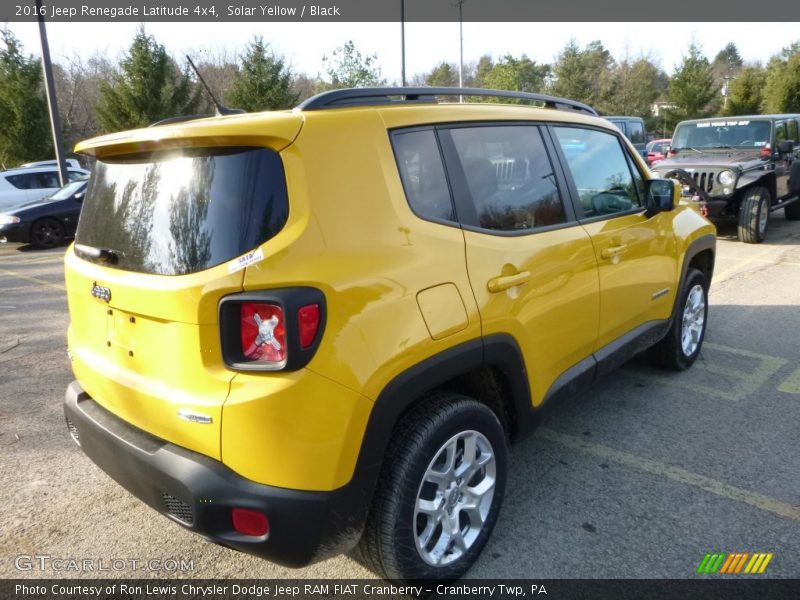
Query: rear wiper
[[106, 256]]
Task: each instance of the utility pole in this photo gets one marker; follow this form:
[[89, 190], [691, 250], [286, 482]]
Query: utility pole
[[460, 5], [403, 41], [52, 101]]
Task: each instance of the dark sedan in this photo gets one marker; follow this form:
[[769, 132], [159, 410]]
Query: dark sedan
[[46, 222]]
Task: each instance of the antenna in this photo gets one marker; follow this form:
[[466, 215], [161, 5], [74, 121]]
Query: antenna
[[220, 108]]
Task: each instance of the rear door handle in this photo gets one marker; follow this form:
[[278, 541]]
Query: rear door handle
[[614, 251], [502, 283]]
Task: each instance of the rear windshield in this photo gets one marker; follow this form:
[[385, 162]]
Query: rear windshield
[[730, 133], [178, 213]]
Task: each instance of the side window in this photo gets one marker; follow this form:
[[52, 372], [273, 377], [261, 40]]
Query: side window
[[635, 132], [780, 132], [25, 181], [74, 175], [422, 173], [793, 133], [601, 169], [47, 179], [509, 176]]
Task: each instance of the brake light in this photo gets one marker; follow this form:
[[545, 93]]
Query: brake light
[[672, 152], [263, 333], [308, 324], [766, 151], [249, 522]]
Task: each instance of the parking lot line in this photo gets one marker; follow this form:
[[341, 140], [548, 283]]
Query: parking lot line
[[34, 279], [792, 384], [654, 467]]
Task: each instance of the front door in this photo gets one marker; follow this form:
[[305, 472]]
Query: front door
[[635, 253]]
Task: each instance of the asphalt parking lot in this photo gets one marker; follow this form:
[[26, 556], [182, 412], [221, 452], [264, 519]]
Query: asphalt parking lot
[[638, 478]]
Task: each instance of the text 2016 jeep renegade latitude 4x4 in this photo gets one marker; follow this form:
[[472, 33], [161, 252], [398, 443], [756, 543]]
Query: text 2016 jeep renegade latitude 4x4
[[300, 332]]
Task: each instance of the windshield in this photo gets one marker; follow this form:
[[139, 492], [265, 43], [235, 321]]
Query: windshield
[[68, 190], [178, 213], [722, 134]]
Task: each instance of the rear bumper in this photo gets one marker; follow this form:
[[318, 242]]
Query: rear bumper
[[199, 492]]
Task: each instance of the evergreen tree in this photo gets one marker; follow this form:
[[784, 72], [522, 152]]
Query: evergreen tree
[[782, 89], [148, 87], [692, 89], [264, 81], [584, 75], [482, 70], [25, 133], [443, 75], [746, 92], [347, 68]]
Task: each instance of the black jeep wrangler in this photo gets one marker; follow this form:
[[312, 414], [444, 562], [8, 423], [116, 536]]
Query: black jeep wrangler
[[738, 168]]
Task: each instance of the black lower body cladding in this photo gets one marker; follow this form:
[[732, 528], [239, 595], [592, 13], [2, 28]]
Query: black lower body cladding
[[199, 492]]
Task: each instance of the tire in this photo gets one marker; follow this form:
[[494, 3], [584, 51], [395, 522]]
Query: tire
[[47, 233], [754, 215], [682, 344], [401, 543]]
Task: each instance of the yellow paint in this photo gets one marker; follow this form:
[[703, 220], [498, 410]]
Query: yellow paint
[[673, 473], [726, 273], [764, 564], [17, 275], [736, 385], [792, 384]]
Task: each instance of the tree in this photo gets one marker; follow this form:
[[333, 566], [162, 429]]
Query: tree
[[347, 68], [636, 86], [517, 74], [746, 91], [443, 75], [584, 75], [148, 87], [25, 132], [264, 82], [482, 70], [692, 89], [782, 89]]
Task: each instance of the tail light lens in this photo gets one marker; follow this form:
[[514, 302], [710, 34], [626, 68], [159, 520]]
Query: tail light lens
[[672, 152], [250, 522], [272, 330], [263, 333]]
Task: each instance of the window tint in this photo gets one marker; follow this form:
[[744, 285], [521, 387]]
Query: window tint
[[422, 174], [510, 177], [780, 132], [601, 170], [25, 181], [793, 133], [176, 213], [47, 179], [75, 175], [635, 132]]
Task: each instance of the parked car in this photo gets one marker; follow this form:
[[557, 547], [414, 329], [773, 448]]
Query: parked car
[[634, 129], [47, 222], [311, 340], [739, 169], [657, 150], [27, 184]]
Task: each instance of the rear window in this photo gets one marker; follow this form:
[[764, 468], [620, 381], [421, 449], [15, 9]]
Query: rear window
[[178, 213]]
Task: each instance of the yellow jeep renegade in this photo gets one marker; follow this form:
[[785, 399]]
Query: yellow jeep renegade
[[299, 332]]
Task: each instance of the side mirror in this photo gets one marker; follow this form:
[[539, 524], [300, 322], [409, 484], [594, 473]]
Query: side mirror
[[661, 196], [785, 147]]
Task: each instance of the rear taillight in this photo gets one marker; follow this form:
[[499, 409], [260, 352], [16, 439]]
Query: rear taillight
[[766, 151], [271, 330], [308, 324], [672, 152], [263, 333]]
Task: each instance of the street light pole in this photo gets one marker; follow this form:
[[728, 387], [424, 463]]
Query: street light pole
[[460, 4], [403, 41], [52, 101]]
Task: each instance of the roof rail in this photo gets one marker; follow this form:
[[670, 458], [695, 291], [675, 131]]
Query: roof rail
[[427, 95], [178, 119]]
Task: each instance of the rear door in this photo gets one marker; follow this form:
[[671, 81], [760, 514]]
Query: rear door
[[532, 268], [635, 253]]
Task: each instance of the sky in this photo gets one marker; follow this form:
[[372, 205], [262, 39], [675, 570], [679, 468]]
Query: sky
[[427, 44]]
